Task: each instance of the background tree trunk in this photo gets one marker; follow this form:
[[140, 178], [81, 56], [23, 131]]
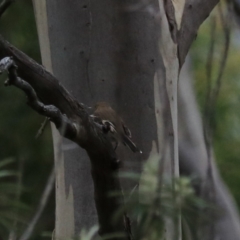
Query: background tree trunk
[[195, 163], [100, 52]]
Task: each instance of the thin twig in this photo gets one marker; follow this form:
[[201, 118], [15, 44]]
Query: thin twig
[[13, 235], [4, 6], [43, 201], [41, 129], [222, 65], [207, 109]]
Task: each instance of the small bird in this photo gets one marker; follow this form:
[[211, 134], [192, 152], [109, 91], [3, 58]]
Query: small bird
[[120, 132]]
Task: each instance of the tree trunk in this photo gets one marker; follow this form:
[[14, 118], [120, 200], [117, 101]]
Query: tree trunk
[[194, 162], [100, 52]]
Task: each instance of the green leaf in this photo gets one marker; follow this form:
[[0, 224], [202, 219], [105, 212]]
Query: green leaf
[[7, 173], [6, 162]]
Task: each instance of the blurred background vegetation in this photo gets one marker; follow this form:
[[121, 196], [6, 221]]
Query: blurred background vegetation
[[226, 120], [19, 124]]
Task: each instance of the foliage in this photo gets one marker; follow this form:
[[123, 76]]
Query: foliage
[[12, 210], [19, 124], [156, 206]]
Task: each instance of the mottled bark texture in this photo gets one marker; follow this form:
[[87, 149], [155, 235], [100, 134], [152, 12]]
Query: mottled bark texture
[[101, 51]]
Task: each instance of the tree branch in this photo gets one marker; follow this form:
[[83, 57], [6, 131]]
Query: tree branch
[[66, 127], [195, 12], [48, 97], [41, 80]]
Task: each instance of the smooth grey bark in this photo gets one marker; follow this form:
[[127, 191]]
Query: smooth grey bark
[[101, 52], [195, 12], [194, 163]]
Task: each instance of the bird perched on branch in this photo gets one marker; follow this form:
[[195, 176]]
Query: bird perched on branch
[[119, 131]]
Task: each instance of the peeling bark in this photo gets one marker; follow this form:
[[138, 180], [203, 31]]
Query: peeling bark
[[106, 51]]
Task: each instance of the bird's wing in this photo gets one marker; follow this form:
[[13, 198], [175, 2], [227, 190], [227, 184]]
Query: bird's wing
[[110, 125], [126, 130], [96, 118]]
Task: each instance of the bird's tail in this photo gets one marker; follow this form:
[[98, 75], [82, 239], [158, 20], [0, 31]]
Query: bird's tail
[[128, 142]]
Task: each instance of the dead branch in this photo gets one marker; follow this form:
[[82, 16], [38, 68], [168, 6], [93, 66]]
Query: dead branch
[[42, 127], [54, 114], [48, 97]]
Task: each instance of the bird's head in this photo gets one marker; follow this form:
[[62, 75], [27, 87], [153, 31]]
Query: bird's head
[[101, 105]]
